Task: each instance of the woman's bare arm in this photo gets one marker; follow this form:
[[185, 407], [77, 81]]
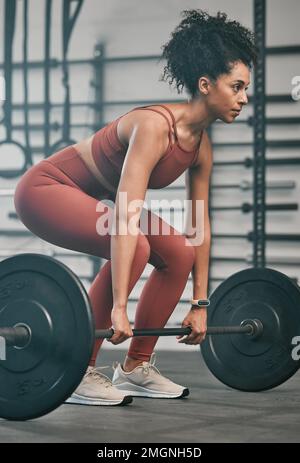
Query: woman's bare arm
[[147, 144]]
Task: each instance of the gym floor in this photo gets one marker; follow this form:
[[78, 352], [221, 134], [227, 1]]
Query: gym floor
[[212, 412]]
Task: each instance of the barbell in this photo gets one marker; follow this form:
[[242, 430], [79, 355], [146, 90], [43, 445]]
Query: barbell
[[47, 333]]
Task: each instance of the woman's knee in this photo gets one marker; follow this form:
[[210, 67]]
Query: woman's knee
[[22, 199], [142, 251], [177, 255], [25, 195], [186, 254]]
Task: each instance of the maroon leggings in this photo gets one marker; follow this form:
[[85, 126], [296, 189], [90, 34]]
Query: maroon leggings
[[57, 200]]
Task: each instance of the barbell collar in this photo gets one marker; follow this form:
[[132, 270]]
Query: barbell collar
[[256, 325], [17, 336]]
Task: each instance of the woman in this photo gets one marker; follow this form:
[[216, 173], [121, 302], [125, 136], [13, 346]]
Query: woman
[[148, 147]]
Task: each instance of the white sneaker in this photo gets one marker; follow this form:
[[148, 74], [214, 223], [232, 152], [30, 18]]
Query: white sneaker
[[145, 380], [97, 389]]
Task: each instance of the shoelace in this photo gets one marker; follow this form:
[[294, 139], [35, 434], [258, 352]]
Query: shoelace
[[115, 365], [98, 376], [148, 366]]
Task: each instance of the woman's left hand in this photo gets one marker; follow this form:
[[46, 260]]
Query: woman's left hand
[[197, 320]]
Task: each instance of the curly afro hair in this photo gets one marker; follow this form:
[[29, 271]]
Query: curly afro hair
[[205, 45]]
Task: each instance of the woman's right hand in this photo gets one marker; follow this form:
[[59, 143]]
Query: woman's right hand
[[120, 325]]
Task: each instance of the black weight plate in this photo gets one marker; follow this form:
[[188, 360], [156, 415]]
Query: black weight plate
[[254, 363], [45, 295]]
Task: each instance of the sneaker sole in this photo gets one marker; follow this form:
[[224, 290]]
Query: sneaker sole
[[139, 391], [79, 400]]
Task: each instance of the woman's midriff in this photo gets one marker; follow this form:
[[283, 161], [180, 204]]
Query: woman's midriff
[[73, 162], [84, 150]]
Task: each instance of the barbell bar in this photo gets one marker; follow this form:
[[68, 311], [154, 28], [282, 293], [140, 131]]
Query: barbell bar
[[48, 331], [19, 336]]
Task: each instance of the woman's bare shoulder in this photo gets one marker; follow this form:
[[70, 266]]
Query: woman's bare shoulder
[[125, 126], [138, 117]]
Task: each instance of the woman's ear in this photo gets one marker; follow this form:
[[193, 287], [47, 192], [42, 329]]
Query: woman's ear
[[203, 85]]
